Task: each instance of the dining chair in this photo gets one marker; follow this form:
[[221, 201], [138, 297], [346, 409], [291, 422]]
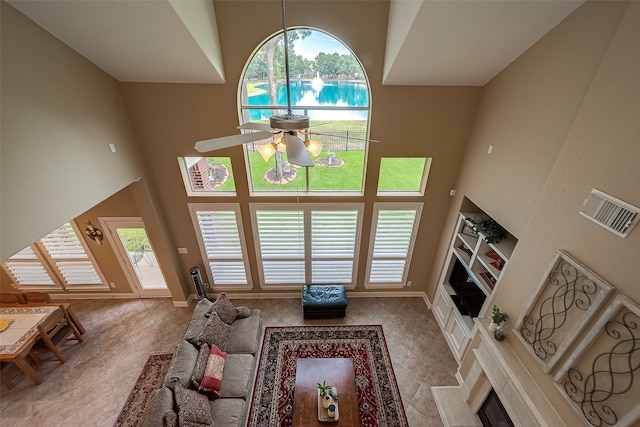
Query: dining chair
[[35, 297], [11, 298], [54, 332]]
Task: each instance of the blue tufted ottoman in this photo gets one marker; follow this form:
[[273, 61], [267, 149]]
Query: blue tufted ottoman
[[323, 301]]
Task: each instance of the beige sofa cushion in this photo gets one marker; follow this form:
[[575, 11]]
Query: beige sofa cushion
[[162, 403], [182, 365], [237, 376], [228, 412], [245, 336]]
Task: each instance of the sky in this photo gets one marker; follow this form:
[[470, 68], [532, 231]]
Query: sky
[[318, 42]]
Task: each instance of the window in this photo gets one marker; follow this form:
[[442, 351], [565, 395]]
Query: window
[[328, 86], [207, 176], [59, 260], [219, 230], [395, 228], [307, 243], [403, 176]]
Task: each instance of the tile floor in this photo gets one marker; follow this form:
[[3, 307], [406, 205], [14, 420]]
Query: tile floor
[[93, 384]]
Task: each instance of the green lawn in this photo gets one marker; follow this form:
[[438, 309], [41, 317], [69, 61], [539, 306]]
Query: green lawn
[[397, 174], [251, 88], [346, 177], [402, 174]]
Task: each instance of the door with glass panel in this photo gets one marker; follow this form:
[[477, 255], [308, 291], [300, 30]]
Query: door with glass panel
[[136, 256]]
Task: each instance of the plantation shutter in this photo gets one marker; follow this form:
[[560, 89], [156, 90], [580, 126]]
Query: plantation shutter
[[69, 257], [333, 245], [281, 245], [393, 241], [222, 246], [26, 269], [58, 260]]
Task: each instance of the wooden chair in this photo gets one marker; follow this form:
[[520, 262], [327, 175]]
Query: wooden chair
[[57, 329], [11, 298], [36, 297]]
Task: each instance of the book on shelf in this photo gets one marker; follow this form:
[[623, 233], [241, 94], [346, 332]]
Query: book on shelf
[[498, 262], [488, 279]]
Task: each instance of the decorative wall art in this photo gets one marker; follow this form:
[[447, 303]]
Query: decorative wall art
[[568, 297], [601, 379]]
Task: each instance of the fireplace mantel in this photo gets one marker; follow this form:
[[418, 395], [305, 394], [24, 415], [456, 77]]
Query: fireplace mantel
[[496, 366]]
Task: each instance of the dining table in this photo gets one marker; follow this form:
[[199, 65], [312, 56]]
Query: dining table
[[19, 324]]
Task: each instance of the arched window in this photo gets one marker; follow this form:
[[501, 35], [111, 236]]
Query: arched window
[[330, 87]]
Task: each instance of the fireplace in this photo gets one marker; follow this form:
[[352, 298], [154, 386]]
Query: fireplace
[[492, 413], [493, 369]]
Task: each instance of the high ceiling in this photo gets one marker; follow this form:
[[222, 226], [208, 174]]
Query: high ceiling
[[429, 42]]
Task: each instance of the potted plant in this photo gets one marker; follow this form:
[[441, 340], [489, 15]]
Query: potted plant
[[324, 394], [489, 228], [497, 318]]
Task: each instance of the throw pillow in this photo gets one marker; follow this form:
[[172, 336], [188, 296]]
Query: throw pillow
[[225, 309], [215, 332], [170, 419], [201, 363], [212, 379], [198, 320], [193, 407]]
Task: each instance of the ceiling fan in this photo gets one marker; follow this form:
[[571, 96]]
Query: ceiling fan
[[289, 125]]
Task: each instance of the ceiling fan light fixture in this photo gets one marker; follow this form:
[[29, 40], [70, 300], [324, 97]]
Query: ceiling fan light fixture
[[267, 150], [314, 147], [281, 144]]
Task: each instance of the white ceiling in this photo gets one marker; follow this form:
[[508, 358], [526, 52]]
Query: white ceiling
[[429, 42]]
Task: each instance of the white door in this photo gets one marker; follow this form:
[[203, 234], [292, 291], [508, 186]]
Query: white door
[[135, 254]]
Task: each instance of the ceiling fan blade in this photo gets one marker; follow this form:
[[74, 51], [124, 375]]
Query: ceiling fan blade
[[230, 141], [296, 151], [341, 136], [255, 126]]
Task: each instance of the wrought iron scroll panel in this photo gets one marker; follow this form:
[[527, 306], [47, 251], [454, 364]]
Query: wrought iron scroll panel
[[602, 381], [569, 296]]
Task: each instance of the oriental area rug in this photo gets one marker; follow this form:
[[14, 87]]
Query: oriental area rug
[[379, 399], [138, 403]]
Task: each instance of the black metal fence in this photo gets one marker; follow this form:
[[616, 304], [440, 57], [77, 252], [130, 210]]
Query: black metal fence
[[334, 141]]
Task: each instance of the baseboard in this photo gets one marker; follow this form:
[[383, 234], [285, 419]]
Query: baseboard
[[261, 295], [240, 296], [350, 294], [186, 303], [113, 295]]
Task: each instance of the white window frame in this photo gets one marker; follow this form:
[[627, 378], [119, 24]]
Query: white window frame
[[187, 182], [229, 207], [50, 265], [390, 206], [304, 110], [307, 258]]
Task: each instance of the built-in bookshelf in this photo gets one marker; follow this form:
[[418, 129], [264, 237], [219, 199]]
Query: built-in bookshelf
[[471, 272]]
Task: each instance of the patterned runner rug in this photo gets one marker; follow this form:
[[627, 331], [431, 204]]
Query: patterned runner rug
[[376, 387], [139, 400]]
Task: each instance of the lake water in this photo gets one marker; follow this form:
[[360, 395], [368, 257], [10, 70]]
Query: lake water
[[307, 93]]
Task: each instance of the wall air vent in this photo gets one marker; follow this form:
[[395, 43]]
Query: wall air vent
[[613, 214]]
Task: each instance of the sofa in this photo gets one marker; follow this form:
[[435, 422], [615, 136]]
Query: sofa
[[228, 366]]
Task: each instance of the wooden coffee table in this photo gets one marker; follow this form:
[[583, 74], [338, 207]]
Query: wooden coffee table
[[338, 373]]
